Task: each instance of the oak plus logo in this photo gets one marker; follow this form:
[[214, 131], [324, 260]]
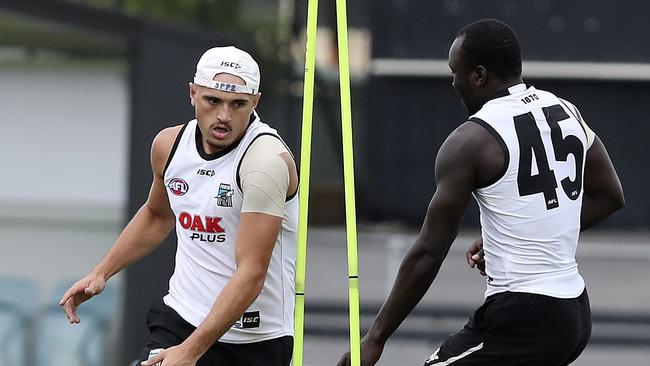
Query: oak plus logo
[[178, 186], [203, 228]]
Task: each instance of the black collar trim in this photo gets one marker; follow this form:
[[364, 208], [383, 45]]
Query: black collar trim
[[505, 92], [198, 138]]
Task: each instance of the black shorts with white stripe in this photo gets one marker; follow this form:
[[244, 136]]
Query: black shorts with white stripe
[[515, 328], [167, 329]]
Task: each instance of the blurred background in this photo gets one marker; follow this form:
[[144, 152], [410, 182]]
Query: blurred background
[[85, 85]]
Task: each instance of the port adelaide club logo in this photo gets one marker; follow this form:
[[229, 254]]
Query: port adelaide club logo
[[224, 195], [178, 186]]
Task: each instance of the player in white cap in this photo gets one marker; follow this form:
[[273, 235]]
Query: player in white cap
[[228, 184]]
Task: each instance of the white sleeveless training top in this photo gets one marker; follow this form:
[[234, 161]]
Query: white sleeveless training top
[[530, 217], [205, 196]]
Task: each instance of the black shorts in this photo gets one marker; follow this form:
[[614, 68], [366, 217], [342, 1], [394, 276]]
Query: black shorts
[[514, 328], [167, 329]]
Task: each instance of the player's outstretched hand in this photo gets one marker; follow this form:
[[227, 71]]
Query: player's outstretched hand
[[370, 353], [81, 291], [476, 257]]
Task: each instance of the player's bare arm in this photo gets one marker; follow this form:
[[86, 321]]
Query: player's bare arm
[[256, 238], [457, 173], [603, 194], [146, 230]]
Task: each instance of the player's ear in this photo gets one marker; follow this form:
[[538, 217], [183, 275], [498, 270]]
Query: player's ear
[[479, 76], [256, 99], [193, 91]]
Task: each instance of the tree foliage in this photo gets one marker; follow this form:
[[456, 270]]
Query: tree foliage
[[263, 29], [211, 14]]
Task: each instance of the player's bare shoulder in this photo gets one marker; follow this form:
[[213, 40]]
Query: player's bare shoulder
[[267, 152], [161, 147], [472, 148], [466, 142]]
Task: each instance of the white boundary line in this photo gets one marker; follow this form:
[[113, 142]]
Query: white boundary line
[[613, 71]]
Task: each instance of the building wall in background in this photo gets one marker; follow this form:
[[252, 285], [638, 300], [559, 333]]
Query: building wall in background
[[412, 111], [64, 136], [63, 161]]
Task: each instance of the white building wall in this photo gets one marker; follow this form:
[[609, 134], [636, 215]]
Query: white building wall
[[63, 174], [63, 136]]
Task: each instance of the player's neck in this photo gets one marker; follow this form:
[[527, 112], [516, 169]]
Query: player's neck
[[512, 82], [500, 88], [209, 148]]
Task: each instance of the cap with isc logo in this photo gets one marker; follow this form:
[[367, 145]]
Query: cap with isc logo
[[229, 60]]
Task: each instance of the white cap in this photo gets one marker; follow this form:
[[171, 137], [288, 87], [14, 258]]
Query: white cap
[[228, 60]]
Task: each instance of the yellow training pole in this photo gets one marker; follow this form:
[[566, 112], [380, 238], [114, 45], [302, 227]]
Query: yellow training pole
[[348, 177], [305, 160]]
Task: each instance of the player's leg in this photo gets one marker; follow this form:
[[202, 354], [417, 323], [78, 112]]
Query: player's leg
[[469, 346], [553, 330], [517, 329], [273, 352], [463, 348], [585, 327], [166, 329]]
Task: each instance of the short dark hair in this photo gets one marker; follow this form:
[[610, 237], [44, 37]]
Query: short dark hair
[[493, 44]]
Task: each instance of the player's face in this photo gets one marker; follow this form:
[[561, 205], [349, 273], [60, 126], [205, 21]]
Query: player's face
[[463, 77], [222, 116]]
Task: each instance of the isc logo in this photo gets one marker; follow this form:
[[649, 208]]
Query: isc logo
[[206, 172], [250, 319], [231, 64], [178, 186]]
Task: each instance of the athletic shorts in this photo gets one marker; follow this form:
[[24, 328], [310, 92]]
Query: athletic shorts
[[515, 328], [167, 329]]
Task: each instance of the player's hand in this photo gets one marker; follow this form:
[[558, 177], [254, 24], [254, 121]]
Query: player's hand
[[81, 291], [370, 353], [476, 256], [172, 356]]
